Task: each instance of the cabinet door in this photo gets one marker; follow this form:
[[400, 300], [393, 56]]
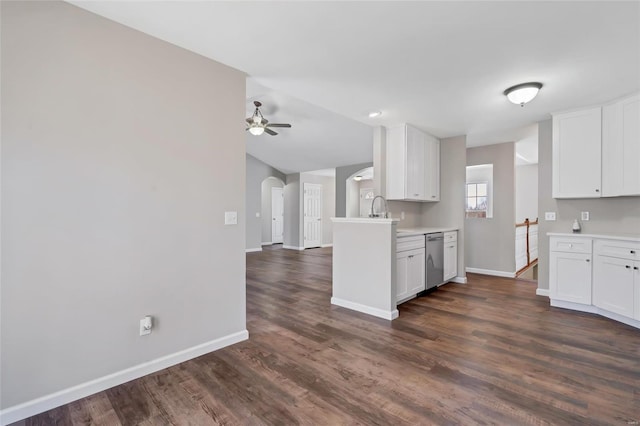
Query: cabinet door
[[613, 287], [432, 175], [402, 275], [621, 148], [450, 260], [570, 277], [630, 129], [415, 160], [416, 272], [577, 143], [636, 282]]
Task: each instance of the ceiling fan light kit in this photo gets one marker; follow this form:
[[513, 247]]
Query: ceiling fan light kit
[[258, 125], [521, 94]]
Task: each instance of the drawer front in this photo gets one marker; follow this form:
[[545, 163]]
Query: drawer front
[[450, 236], [620, 249], [410, 243], [570, 245]]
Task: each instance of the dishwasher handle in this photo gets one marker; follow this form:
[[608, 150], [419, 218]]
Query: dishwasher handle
[[435, 238]]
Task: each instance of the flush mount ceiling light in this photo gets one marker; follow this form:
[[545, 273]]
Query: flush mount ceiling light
[[357, 178], [374, 114], [522, 93]]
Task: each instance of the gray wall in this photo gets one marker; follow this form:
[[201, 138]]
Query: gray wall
[[328, 205], [267, 227], [120, 155], [608, 215], [342, 173], [257, 171], [450, 210], [490, 243], [292, 211]]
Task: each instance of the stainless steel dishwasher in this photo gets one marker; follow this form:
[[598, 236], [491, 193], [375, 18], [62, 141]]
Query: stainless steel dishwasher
[[435, 259]]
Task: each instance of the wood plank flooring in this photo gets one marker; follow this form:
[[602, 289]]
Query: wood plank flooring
[[488, 352]]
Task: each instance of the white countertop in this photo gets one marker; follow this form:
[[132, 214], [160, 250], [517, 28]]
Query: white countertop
[[620, 236], [406, 232], [379, 220]]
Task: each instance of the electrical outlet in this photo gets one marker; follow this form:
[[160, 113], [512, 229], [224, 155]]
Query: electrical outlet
[[584, 216], [146, 325], [257, 214], [549, 215], [230, 218]]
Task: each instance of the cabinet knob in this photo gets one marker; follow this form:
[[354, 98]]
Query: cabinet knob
[[633, 251], [415, 195], [570, 245], [411, 257], [635, 267], [627, 266], [588, 260], [597, 190]]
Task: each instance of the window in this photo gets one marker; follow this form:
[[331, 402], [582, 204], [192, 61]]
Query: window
[[476, 200]]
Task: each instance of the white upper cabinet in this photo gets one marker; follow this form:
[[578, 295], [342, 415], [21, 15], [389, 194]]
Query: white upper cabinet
[[621, 147], [577, 144], [413, 165]]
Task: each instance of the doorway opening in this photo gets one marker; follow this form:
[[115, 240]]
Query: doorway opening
[[360, 193], [272, 211]]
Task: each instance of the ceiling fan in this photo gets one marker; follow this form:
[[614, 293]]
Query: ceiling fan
[[258, 124]]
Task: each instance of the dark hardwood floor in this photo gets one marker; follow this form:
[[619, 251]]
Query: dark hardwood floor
[[488, 352]]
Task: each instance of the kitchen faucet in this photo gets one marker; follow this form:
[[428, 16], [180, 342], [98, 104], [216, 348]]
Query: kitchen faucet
[[386, 207]]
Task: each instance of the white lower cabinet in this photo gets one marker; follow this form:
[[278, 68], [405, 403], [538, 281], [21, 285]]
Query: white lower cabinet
[[570, 270], [616, 277], [609, 285], [570, 277], [614, 288], [450, 255], [410, 273]]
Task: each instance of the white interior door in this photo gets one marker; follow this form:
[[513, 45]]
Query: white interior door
[[312, 215], [277, 215]]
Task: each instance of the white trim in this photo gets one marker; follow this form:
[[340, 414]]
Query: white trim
[[595, 310], [65, 396], [266, 243], [459, 280], [253, 249], [376, 312], [326, 245], [491, 272], [292, 247], [542, 292]]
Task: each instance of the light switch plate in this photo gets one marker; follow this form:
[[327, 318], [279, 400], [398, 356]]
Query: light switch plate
[[549, 215], [584, 216], [230, 218]]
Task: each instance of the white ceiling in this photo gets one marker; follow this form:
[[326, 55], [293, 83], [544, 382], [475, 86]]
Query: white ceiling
[[441, 66]]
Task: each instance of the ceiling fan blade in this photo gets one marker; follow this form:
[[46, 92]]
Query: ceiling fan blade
[[279, 125], [271, 132], [249, 120]]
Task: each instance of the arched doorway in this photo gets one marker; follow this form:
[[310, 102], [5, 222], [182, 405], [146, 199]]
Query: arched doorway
[[360, 191]]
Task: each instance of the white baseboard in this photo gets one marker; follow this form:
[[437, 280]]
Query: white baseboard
[[326, 245], [65, 396], [459, 280], [252, 250], [292, 248], [266, 243], [542, 292], [594, 310], [376, 312], [491, 272]]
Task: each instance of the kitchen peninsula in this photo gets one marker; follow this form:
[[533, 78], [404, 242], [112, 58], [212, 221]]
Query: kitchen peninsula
[[376, 265]]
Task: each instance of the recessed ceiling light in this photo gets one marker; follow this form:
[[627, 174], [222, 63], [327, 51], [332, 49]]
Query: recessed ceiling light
[[522, 93], [374, 114]]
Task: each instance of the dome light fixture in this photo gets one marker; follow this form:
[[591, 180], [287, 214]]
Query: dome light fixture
[[520, 94], [357, 178], [256, 130], [374, 114]]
